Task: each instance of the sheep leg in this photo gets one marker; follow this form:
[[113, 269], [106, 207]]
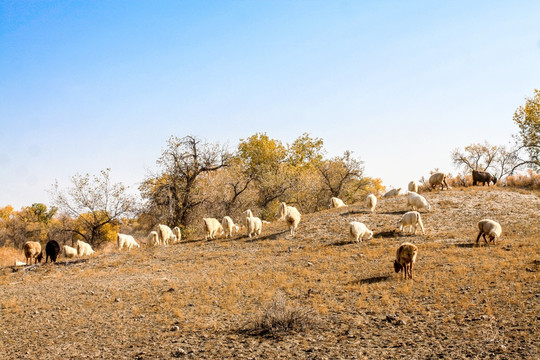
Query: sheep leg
[[478, 237], [411, 270]]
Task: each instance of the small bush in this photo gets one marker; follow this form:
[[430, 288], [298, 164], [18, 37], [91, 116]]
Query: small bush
[[280, 316], [531, 180]]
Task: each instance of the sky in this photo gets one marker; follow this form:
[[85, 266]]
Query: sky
[[91, 85]]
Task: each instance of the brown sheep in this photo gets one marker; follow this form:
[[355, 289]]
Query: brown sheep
[[405, 259], [32, 250], [438, 179]]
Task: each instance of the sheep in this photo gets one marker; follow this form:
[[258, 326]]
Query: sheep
[[417, 202], [229, 227], [212, 228], [32, 250], [126, 241], [413, 186], [165, 234], [405, 259], [336, 203], [152, 239], [291, 215], [483, 177], [411, 218], [252, 223], [358, 231], [177, 233], [70, 252], [19, 263], [371, 202], [438, 179], [83, 249], [393, 192], [52, 249], [490, 228]]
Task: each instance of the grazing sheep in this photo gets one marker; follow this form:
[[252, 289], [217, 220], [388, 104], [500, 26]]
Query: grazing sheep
[[411, 218], [152, 239], [335, 203], [32, 250], [490, 228], [438, 179], [126, 241], [52, 249], [371, 202], [358, 231], [417, 202], [413, 186], [252, 223], [70, 252], [405, 259], [83, 249], [177, 233], [393, 192], [483, 177], [291, 215], [212, 228], [228, 226], [165, 234]]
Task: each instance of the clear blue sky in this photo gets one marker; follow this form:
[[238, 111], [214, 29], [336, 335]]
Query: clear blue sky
[[89, 85]]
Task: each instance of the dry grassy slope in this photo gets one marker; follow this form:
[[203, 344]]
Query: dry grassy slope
[[196, 299]]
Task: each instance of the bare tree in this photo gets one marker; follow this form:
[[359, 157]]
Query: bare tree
[[482, 157], [94, 202], [174, 193]]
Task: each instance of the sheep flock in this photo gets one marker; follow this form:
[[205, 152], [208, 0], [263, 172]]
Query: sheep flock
[[251, 226]]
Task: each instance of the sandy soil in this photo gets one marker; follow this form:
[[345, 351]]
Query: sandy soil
[[204, 299]]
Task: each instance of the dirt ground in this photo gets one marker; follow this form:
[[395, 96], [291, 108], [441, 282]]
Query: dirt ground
[[207, 299]]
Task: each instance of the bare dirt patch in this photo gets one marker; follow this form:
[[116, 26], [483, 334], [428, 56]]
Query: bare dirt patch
[[206, 299]]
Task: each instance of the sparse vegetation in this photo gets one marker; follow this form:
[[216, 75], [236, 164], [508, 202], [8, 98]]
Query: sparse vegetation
[[336, 296]]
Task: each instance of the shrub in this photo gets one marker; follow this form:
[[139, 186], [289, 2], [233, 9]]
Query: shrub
[[279, 316], [530, 180]]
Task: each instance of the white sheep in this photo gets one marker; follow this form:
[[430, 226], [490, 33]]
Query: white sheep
[[212, 228], [371, 202], [413, 186], [69, 251], [177, 233], [417, 202], [152, 239], [229, 227], [411, 218], [83, 249], [490, 228], [358, 231], [32, 250], [291, 215], [438, 179], [126, 241], [19, 263], [252, 223], [336, 203], [405, 259], [165, 234], [393, 192]]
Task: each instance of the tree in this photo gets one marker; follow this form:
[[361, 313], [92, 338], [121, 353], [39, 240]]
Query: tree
[[174, 194], [337, 172], [96, 204], [527, 117], [483, 157]]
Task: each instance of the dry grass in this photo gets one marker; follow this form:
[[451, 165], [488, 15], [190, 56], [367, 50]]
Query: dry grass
[[317, 294], [8, 255]]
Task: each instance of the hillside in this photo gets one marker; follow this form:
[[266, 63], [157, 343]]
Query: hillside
[[206, 299]]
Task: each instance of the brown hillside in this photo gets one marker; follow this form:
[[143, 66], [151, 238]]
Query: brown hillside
[[231, 298]]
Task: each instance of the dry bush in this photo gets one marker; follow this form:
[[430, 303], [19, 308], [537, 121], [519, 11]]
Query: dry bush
[[531, 180], [8, 255], [279, 316], [460, 180]]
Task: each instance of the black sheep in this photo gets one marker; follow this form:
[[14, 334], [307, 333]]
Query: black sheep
[[483, 177], [52, 249]]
